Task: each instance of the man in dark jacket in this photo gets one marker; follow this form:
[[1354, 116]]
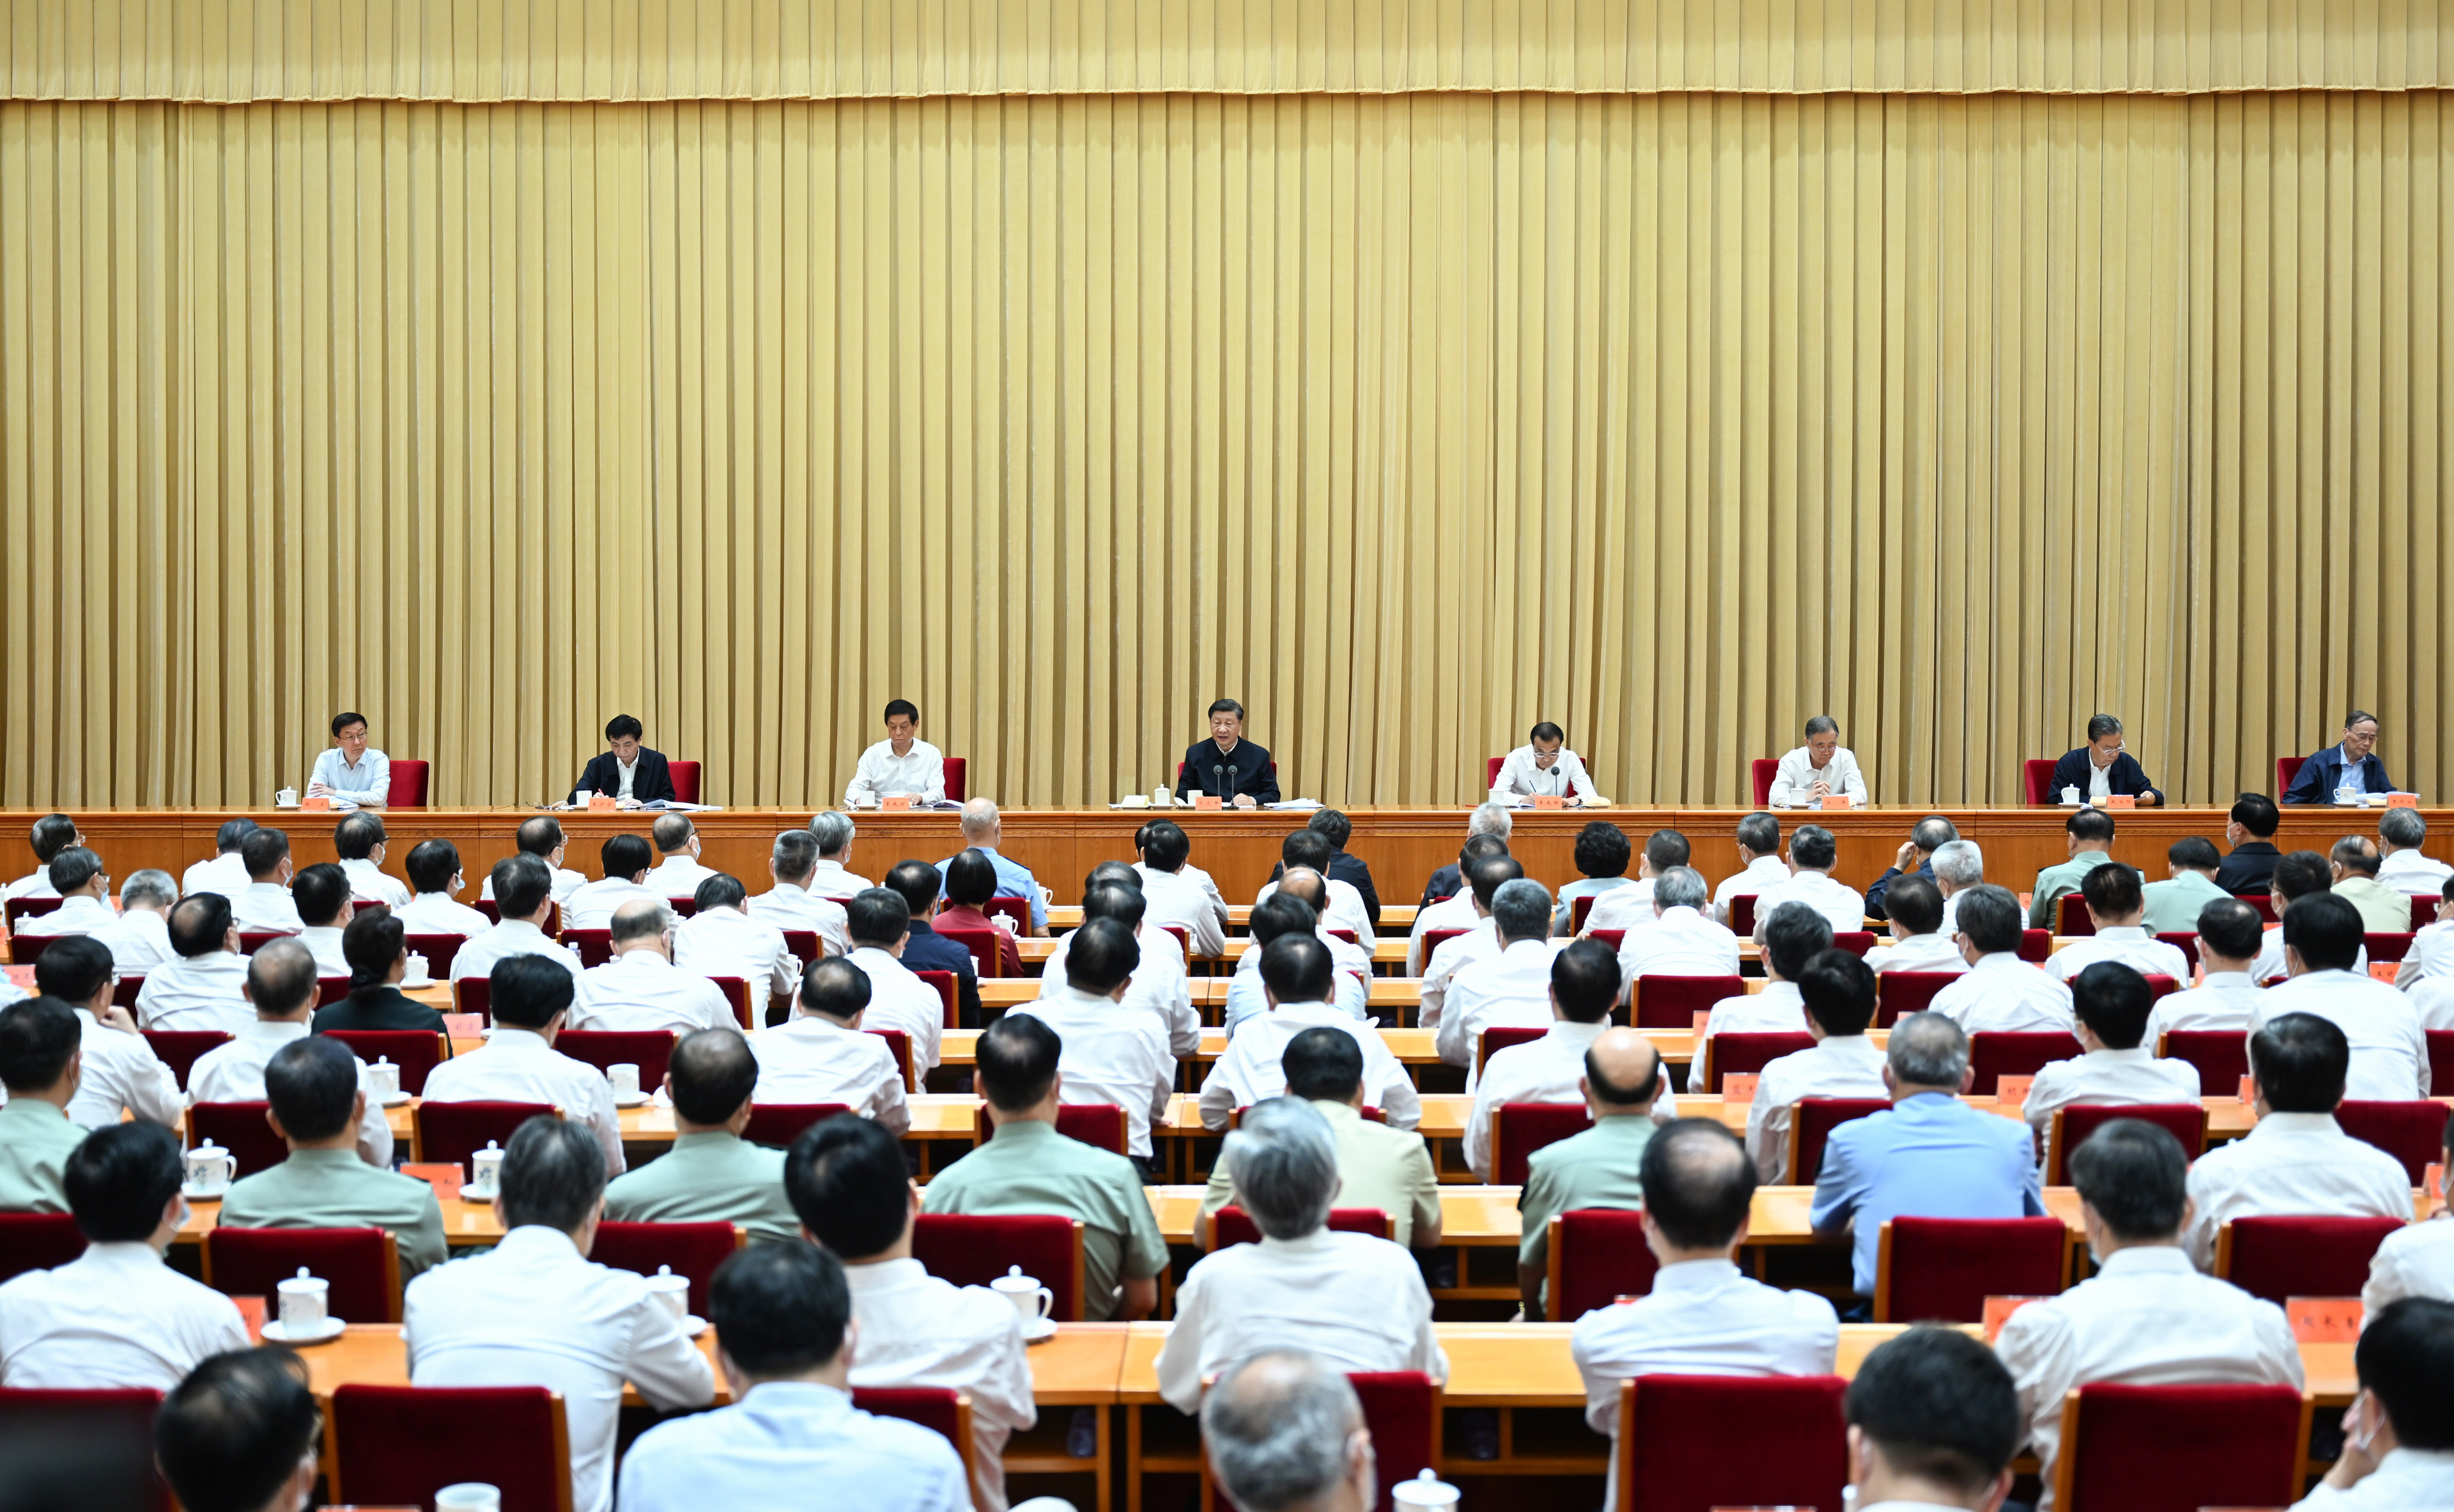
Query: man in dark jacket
[[632, 772], [2103, 754], [2249, 869]]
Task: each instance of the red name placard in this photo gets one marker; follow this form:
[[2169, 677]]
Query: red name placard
[[1999, 1311], [2323, 1320], [2013, 1091], [899, 803], [1739, 1087], [1207, 801]]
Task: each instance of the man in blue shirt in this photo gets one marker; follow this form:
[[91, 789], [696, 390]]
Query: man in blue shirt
[[1931, 1156], [2352, 763], [982, 830]]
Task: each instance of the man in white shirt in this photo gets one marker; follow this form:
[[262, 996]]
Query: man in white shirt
[[823, 1054], [361, 841], [264, 905], [1584, 983], [1454, 910], [1510, 990], [1114, 1051], [350, 772], [2431, 954], [1295, 982], [1312, 888], [1284, 1432], [1484, 879], [1288, 914], [119, 1076], [1812, 852], [2114, 1066], [204, 987], [1356, 1300], [52, 833], [1310, 850], [2146, 1318], [1544, 767], [847, 1179], [1999, 992], [1680, 941], [517, 1063], [2229, 935], [1703, 1316], [1631, 907], [677, 871], [225, 871], [281, 984], [542, 837], [830, 878], [139, 938], [1919, 941], [880, 921], [789, 905], [901, 764], [1819, 769], [591, 905], [521, 885], [2295, 1159], [1933, 1421], [534, 1311], [241, 1431], [1604, 857], [116, 1315], [1158, 988], [1914, 859], [2400, 834], [783, 1313], [721, 939], [1180, 894], [2321, 933], [2114, 903], [435, 880], [2298, 875], [1794, 936], [1760, 864], [1957, 867], [2418, 1259], [2399, 1434], [321, 894], [1838, 992], [641, 988], [84, 888]]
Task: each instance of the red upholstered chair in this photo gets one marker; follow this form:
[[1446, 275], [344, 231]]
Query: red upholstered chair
[[408, 790], [2424, 910], [685, 775], [1597, 1255], [180, 1049], [18, 908], [241, 1129], [683, 907], [2071, 916], [1897, 993], [2185, 1122], [1580, 909], [439, 951], [781, 1123], [2160, 985], [1435, 939], [2220, 1055], [595, 945], [2186, 941], [804, 945], [736, 993], [1402, 1410], [1811, 1122], [1742, 915], [2263, 902], [1944, 1268], [1232, 1225], [1519, 1129], [944, 983], [1017, 909], [415, 1051], [1672, 1002], [492, 910], [125, 992], [1346, 935], [1691, 1442], [1613, 938], [943, 1410], [251, 940], [958, 773], [1993, 1054], [474, 994], [2276, 1257], [114, 1424], [330, 990], [2287, 768], [1100, 1125], [1491, 1041], [1183, 939], [648, 1049], [2151, 1447], [1746, 1054], [2413, 1133], [1491, 766], [970, 1249], [386, 1441], [361, 1265], [2441, 1059], [1855, 941], [2037, 776], [694, 1250], [450, 1133], [1761, 772], [982, 944], [2035, 945], [24, 950], [38, 1241], [898, 1044], [2387, 946]]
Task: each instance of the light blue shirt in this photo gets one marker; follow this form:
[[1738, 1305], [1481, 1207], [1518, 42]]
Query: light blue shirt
[[1244, 999], [1929, 1155], [1014, 880], [784, 1439], [371, 778]]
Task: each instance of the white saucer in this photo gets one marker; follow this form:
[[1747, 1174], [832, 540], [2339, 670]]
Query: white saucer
[[419, 985], [1038, 1330], [694, 1325], [331, 1328], [394, 1099], [470, 1194], [197, 1194], [638, 1099]]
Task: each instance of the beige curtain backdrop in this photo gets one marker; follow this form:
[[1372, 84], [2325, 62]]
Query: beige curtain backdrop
[[1408, 409]]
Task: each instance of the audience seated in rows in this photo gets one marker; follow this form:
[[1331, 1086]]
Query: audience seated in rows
[[1290, 909], [376, 949], [2229, 933], [1158, 988], [792, 863], [517, 1063], [2116, 902], [319, 1108], [1838, 992], [1795, 935], [522, 887], [824, 1054], [1584, 983], [203, 988], [118, 1074], [1999, 992], [1510, 989], [1919, 941], [2114, 1065], [281, 984], [1378, 1166], [1597, 1167], [435, 880], [710, 1175], [640, 987], [2322, 942], [1297, 979], [1115, 1050]]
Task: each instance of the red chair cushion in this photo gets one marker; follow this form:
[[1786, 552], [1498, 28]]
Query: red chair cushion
[[2185, 1122], [407, 786], [2036, 775], [1749, 1053], [1232, 1225], [111, 1427], [691, 1249], [2184, 1447], [1672, 1002], [648, 1049], [779, 1123], [1815, 1120], [1906, 992], [415, 1051], [2387, 947], [241, 1129], [1402, 1408], [2413, 1131], [685, 775], [38, 1241], [439, 951], [180, 1049], [2071, 916], [944, 983], [2186, 941], [2220, 1055], [254, 1262], [2035, 945], [1761, 772], [1601, 1256], [1944, 1268], [2304, 1256], [1704, 1441], [1993, 1056], [935, 1409], [972, 1249], [1519, 1129], [595, 945], [957, 774], [450, 1133], [387, 1440], [982, 944]]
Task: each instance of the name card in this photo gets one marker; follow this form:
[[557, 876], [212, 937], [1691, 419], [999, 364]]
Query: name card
[[444, 1178], [600, 804], [2434, 1182], [1999, 1311], [1703, 1016], [2120, 800], [2013, 1091], [1208, 801], [2403, 800], [2384, 970], [310, 806], [1738, 1087], [895, 803], [2323, 1320], [2249, 1089], [1835, 800], [251, 1312], [1549, 800], [464, 1027]]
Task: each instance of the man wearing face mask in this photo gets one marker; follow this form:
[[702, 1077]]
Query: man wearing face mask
[[239, 1434]]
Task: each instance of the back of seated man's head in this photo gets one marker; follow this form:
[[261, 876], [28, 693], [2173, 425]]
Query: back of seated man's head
[[120, 1181], [1332, 826], [1102, 954], [796, 857], [320, 892], [540, 836], [1914, 903], [1480, 847], [1812, 848], [2113, 892], [72, 869], [724, 890], [711, 1073], [1839, 988], [1284, 1159], [1125, 905], [52, 833], [1623, 1070], [916, 882], [1323, 1065], [978, 820], [833, 831], [672, 832], [1164, 846], [1935, 1407], [1305, 847], [1698, 1184], [1304, 884], [970, 878], [2232, 929], [1932, 834], [312, 1086], [1585, 979], [238, 1434], [2355, 854], [2300, 875], [1490, 819], [527, 992], [522, 884], [2325, 930], [232, 835], [847, 1180], [623, 856], [1962, 865], [2194, 852], [1284, 1432], [1296, 968], [281, 977], [200, 924], [2090, 826], [1664, 849], [1521, 908], [73, 968], [642, 920], [1680, 887], [834, 988], [2257, 813], [2301, 1061], [374, 942], [1792, 937], [356, 835], [1760, 833], [877, 918], [431, 865], [2406, 1360], [788, 1307], [1602, 850], [553, 1175], [2113, 1001], [1018, 1063], [1927, 1050], [263, 852], [1282, 913], [2136, 1176], [38, 1038], [149, 888], [1485, 877], [1991, 918]]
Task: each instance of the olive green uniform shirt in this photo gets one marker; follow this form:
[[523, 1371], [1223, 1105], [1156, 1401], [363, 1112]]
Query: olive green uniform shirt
[[1029, 1167], [1596, 1168], [335, 1189], [2173, 906], [708, 1178], [36, 1139], [1378, 1166], [2056, 880]]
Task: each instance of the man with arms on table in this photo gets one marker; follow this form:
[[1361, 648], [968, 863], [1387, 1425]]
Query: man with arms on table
[[352, 770], [2349, 767], [627, 771], [1227, 765], [1915, 858], [1544, 767], [1819, 769], [2102, 768], [900, 765]]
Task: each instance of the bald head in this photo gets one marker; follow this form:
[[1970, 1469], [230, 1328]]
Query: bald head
[[1302, 881], [1284, 1431], [2353, 856], [1622, 1073], [642, 924], [979, 821]]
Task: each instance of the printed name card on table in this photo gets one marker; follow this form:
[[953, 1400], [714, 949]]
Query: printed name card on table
[[2248, 1089], [1835, 800], [310, 806], [1549, 800], [2323, 1320], [464, 1027], [2384, 970], [895, 803], [251, 1312], [1738, 1087], [1703, 1016], [1999, 1311], [444, 1178], [2434, 1182], [1207, 801], [2120, 800], [600, 804], [2403, 800], [2012, 1092]]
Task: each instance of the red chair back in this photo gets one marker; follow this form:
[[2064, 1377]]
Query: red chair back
[[359, 1265], [180, 1049], [2184, 1122], [1402, 1408], [1672, 1002], [1346, 935], [2263, 902], [683, 907], [804, 945], [1745, 1054], [1811, 1123], [595, 945], [1580, 910], [492, 910], [38, 1241], [982, 944], [1017, 909], [1183, 939], [330, 990], [648, 1049], [2300, 1255], [415, 1051], [2413, 1133], [408, 789], [1906, 992], [1489, 1043], [1232, 1225], [685, 775], [1100, 1125], [475, 995], [1687, 1443], [898, 1044], [2037, 777], [2441, 1059], [241, 1129], [779, 1123], [1742, 915], [113, 1425], [1597, 1256], [1855, 941], [125, 992], [24, 950], [251, 940], [1995, 1055], [1491, 766], [385, 1440], [944, 983], [2152, 1447], [1761, 772], [972, 1249], [2071, 916], [2387, 947], [957, 772], [439, 951], [1613, 938], [943, 1410], [2220, 1055], [2287, 768], [450, 1133], [2035, 945], [28, 908], [2423, 910], [1943, 1268], [1435, 939], [1519, 1129], [2187, 943], [737, 995], [691, 1249]]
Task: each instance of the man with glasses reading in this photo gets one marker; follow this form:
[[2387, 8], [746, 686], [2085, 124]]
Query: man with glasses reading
[[2102, 768], [2343, 771]]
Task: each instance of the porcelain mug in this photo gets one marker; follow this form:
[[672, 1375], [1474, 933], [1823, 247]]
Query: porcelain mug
[[486, 1167], [385, 1076], [210, 1168], [625, 1078], [303, 1299], [671, 1290], [469, 1496], [1033, 1301], [286, 797], [2070, 795]]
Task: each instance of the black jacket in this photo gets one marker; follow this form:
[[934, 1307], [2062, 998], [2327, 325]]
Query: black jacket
[[927, 949], [378, 1007], [1883, 884], [1345, 868], [2125, 776], [651, 781], [2249, 869], [1249, 772]]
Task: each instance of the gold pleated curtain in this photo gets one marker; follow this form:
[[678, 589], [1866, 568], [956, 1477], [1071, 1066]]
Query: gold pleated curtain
[[1408, 413]]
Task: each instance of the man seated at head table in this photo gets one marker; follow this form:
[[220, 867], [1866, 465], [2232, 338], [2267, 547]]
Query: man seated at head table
[[1679, 940], [793, 861], [1297, 979], [1026, 1167], [2249, 829], [224, 871], [1310, 849], [721, 939], [880, 921], [591, 905], [38, 1067], [1286, 914], [2229, 933], [1283, 1431], [1631, 907], [1115, 1050], [848, 1183], [1597, 1168], [83, 888], [1919, 941], [2114, 899], [534, 1311], [1929, 1156], [1378, 1166], [710, 1175], [2354, 862], [1819, 769], [640, 987], [1159, 987], [1584, 984], [2405, 867], [377, 952], [436, 880], [786, 1343], [264, 905], [52, 833], [115, 1315], [2322, 948], [1510, 990], [316, 1092], [1226, 765], [971, 881], [1488, 820], [2171, 907], [902, 765], [1813, 849], [1760, 865], [1933, 1421], [2102, 768], [1483, 879], [2116, 1063], [2417, 1259], [2300, 875], [1837, 990], [1999, 992], [2399, 1435], [1914, 859], [1179, 893], [361, 841], [350, 772], [823, 1054], [531, 998], [1356, 1299], [2342, 771], [281, 984], [677, 871], [1792, 937], [139, 939], [924, 948], [626, 771], [2090, 839], [2295, 1159], [1544, 767], [542, 837], [240, 1434], [522, 887], [1604, 857], [118, 1074], [203, 987], [322, 894]]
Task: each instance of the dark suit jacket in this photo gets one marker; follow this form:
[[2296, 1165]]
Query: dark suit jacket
[[1446, 882], [651, 781], [927, 949], [2323, 774], [2250, 868], [1345, 868], [1883, 884], [2126, 776], [1251, 773], [378, 1007]]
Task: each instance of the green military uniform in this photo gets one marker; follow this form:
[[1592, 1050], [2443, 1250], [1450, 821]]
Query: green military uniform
[[335, 1189], [1596, 1168], [2173, 907], [36, 1139], [2056, 880], [1029, 1167], [2383, 911], [708, 1178], [1378, 1166]]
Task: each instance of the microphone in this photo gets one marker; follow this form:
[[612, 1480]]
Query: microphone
[[1219, 774]]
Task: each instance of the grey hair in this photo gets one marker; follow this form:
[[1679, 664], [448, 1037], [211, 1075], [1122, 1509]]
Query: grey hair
[[2404, 829], [1285, 1163], [640, 919], [796, 855], [1927, 1050], [1823, 724], [1522, 908], [1279, 1440], [153, 888], [1961, 863], [979, 817], [1681, 887], [1490, 819], [1933, 833], [833, 829]]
